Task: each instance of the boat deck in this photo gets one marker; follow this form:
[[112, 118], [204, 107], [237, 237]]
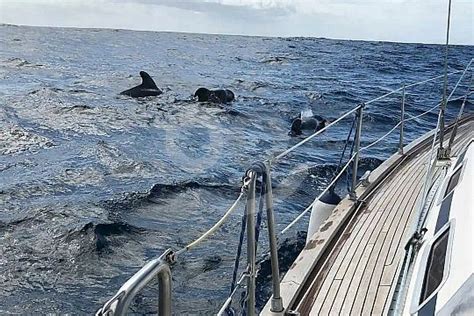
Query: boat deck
[[355, 274]]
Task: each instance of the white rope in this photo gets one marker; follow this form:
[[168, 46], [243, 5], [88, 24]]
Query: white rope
[[431, 79], [232, 208], [381, 138], [384, 96], [213, 228], [409, 86], [462, 76], [319, 196], [449, 97], [422, 114]]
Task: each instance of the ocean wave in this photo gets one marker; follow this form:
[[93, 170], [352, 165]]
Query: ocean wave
[[159, 193], [19, 63], [99, 233], [15, 140], [277, 60]]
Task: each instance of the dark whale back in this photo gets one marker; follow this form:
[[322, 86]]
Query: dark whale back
[[215, 96], [296, 127], [145, 89], [309, 123], [314, 124], [202, 94], [230, 96]]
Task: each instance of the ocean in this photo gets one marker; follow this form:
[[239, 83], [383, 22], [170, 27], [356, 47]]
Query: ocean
[[93, 184]]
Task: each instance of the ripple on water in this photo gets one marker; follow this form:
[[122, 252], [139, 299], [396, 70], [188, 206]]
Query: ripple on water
[[14, 140]]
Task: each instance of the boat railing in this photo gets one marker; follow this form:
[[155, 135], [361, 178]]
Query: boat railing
[[160, 267]]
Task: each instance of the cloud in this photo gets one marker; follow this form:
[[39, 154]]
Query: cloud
[[229, 8], [393, 20]]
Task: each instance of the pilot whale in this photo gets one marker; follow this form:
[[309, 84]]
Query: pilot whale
[[145, 89], [313, 123], [215, 96]]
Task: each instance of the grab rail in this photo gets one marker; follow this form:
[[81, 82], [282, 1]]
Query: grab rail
[[160, 267], [402, 123]]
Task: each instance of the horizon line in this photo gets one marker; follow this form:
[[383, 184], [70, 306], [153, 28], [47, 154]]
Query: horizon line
[[2, 24]]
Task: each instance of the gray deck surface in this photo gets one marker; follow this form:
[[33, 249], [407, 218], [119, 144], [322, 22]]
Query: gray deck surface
[[360, 270]]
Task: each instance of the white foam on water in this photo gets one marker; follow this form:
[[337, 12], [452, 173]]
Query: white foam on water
[[307, 113]]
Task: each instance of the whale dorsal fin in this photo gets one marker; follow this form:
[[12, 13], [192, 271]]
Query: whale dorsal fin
[[147, 82]]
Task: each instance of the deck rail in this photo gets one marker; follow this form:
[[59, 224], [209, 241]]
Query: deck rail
[[160, 267]]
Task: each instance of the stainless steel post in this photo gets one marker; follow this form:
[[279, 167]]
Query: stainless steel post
[[402, 122], [277, 301], [443, 153], [357, 147], [164, 288], [251, 253], [455, 128], [155, 268]]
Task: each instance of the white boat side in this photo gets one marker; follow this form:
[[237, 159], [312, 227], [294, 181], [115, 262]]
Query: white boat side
[[442, 280]]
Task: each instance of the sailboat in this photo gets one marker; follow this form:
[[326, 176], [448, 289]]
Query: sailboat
[[400, 243]]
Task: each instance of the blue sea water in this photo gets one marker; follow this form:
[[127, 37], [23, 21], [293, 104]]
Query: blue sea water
[[93, 184]]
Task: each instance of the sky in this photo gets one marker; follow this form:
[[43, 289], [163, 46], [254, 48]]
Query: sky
[[388, 20]]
